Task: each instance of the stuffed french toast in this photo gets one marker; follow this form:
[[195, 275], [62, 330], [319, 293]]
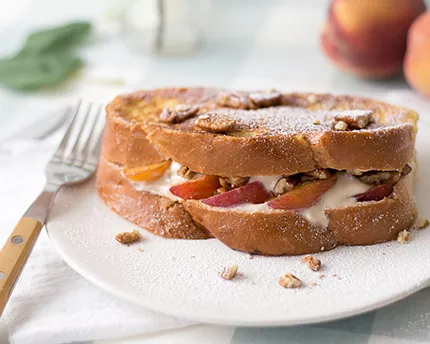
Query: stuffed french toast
[[263, 172]]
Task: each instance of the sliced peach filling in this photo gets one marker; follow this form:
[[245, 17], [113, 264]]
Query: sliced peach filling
[[200, 188], [303, 194], [377, 193], [250, 193], [147, 173]]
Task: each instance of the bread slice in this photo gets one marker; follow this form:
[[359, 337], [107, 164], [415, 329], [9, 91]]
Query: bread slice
[[286, 232], [133, 120], [387, 145]]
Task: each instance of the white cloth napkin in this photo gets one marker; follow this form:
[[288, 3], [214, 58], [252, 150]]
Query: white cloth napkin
[[51, 303]]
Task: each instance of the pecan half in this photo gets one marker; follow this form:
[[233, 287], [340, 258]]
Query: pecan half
[[214, 122], [234, 100], [179, 113], [229, 183], [265, 99], [246, 101]]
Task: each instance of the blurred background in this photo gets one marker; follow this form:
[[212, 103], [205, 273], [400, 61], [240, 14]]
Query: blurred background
[[100, 48]]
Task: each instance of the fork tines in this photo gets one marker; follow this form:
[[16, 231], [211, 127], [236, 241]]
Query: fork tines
[[82, 141]]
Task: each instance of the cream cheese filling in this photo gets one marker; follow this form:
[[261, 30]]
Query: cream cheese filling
[[340, 195]]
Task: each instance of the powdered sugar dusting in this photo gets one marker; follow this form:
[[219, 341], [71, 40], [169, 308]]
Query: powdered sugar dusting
[[286, 119]]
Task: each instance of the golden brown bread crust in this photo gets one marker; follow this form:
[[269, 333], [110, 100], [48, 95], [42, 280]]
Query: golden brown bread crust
[[158, 214], [287, 233], [383, 149]]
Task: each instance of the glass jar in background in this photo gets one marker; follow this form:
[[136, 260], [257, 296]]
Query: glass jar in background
[[164, 27]]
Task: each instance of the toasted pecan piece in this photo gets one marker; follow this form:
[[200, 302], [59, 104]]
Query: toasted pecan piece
[[312, 262], [246, 100], [214, 122], [340, 126], [128, 237], [185, 172], [354, 119], [284, 185], [289, 281], [265, 99], [179, 113], [403, 236], [315, 175], [229, 272], [229, 183], [380, 177], [235, 100]]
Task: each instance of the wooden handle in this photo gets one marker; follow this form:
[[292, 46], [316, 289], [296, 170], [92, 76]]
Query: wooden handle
[[14, 254]]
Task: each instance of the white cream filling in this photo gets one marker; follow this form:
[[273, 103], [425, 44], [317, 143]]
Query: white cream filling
[[268, 182], [339, 196]]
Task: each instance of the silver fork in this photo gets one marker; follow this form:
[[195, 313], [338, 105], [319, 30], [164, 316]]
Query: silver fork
[[74, 161]]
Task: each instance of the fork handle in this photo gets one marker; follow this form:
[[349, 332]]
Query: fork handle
[[14, 254], [18, 246]]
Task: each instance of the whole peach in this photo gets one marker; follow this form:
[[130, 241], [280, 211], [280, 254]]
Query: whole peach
[[417, 59], [368, 37]]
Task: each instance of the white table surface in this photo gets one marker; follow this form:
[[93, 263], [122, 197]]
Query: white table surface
[[249, 44]]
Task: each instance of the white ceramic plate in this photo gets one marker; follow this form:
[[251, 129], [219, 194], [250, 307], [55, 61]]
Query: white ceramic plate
[[179, 277]]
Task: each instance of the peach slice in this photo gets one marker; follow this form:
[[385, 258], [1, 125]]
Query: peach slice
[[250, 193], [147, 173], [376, 193], [303, 196], [203, 187]]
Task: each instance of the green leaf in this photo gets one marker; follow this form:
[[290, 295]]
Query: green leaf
[[57, 39], [46, 58], [27, 72]]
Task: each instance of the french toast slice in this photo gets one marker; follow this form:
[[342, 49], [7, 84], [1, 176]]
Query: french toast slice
[[291, 138], [286, 232], [133, 118], [140, 134]]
